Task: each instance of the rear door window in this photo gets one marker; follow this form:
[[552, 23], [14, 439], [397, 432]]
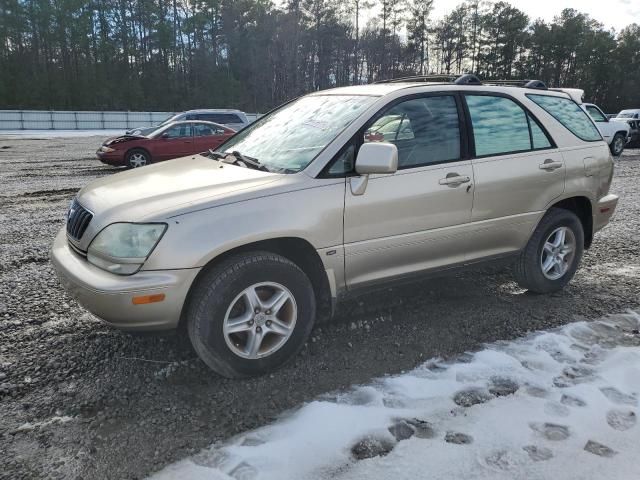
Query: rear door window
[[178, 131], [501, 126], [569, 114]]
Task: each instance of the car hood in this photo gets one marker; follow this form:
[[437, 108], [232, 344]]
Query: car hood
[[170, 188], [616, 119], [123, 138]]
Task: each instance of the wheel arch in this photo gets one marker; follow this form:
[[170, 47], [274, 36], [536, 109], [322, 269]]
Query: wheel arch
[[146, 150], [583, 209], [296, 249]]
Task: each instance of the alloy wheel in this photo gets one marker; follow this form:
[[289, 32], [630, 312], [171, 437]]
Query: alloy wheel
[[260, 320], [618, 145], [137, 160], [558, 253]]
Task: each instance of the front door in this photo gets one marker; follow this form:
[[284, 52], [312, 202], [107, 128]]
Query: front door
[[414, 219], [176, 141]]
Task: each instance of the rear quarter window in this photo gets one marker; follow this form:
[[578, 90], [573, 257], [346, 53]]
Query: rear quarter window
[[569, 114]]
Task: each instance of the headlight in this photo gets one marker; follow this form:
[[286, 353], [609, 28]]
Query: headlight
[[122, 248], [106, 149]]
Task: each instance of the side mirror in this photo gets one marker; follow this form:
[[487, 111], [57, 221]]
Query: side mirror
[[377, 158], [381, 158], [165, 135]]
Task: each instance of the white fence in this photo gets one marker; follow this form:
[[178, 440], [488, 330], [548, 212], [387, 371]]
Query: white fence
[[81, 120]]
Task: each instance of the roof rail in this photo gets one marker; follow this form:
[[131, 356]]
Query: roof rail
[[420, 78], [534, 84], [467, 79]]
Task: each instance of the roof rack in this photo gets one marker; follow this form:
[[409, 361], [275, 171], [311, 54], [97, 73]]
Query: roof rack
[[467, 79]]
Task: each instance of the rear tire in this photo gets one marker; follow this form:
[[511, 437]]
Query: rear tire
[[138, 157], [250, 314], [553, 253], [617, 144]]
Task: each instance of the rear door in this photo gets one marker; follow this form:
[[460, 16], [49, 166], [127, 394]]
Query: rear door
[[518, 172], [414, 219], [176, 141]]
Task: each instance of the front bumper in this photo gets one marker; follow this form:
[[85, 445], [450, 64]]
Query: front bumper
[[111, 158], [110, 297], [604, 210]]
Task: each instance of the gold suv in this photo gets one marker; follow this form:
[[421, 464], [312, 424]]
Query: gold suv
[[331, 193]]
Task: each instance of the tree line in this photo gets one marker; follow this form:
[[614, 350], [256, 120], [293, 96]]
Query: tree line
[[256, 54]]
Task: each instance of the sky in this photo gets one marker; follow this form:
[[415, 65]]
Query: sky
[[612, 13]]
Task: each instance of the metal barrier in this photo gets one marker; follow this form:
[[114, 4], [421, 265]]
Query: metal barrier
[[81, 120]]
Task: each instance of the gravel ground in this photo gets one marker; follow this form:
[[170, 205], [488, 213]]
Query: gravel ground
[[81, 400]]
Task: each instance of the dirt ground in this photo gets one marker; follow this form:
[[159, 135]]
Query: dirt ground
[[81, 400]]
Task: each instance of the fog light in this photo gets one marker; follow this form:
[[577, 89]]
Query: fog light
[[144, 299]]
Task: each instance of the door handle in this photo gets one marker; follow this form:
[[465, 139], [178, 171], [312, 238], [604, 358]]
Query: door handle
[[550, 165], [454, 180]]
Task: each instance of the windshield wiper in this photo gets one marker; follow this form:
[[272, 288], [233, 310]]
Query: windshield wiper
[[236, 158]]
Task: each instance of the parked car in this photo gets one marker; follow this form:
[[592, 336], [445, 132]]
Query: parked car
[[250, 245], [616, 134], [234, 119], [632, 117], [173, 140]]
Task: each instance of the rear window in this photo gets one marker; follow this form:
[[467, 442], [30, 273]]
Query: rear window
[[223, 118], [569, 114]]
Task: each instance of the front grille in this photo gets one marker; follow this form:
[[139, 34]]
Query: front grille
[[78, 219]]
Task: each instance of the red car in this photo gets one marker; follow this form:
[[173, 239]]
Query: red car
[[177, 139]]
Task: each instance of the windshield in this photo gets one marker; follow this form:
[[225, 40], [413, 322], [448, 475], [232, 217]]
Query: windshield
[[171, 118], [289, 138]]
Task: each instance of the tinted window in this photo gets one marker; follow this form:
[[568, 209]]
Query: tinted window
[[222, 118], [570, 115], [173, 118], [201, 130], [538, 137], [499, 125], [596, 114], [344, 162], [425, 130], [177, 131]]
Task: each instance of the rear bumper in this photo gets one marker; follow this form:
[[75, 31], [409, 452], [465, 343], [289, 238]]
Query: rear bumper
[[604, 210], [110, 297]]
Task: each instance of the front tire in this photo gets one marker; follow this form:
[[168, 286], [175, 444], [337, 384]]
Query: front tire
[[138, 158], [250, 314], [553, 253], [617, 144]]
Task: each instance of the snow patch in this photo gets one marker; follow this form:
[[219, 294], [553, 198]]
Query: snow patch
[[28, 426], [556, 404]]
